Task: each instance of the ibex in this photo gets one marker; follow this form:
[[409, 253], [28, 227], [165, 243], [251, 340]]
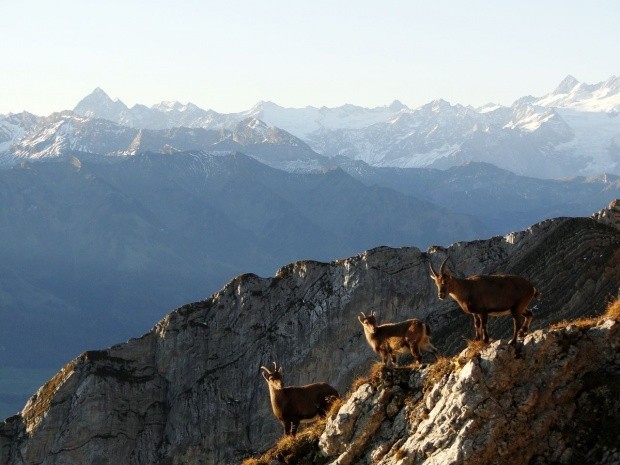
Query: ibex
[[484, 295], [389, 338], [293, 404]]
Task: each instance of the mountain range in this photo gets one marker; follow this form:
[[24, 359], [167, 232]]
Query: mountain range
[[573, 130]]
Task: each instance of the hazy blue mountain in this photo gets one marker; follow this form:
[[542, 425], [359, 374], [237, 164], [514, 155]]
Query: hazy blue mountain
[[502, 200]]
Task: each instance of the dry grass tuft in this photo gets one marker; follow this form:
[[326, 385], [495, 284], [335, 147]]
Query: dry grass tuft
[[374, 377], [376, 371], [400, 454], [357, 382], [474, 348], [288, 449], [251, 461], [334, 407], [612, 312], [584, 322], [435, 372]]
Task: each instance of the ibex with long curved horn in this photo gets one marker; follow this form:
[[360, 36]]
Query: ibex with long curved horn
[[484, 295], [293, 404], [389, 338]]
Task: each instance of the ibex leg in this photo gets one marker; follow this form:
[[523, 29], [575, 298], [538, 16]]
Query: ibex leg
[[294, 427], [415, 353], [518, 322], [433, 350], [484, 317], [526, 326], [287, 427], [477, 327]]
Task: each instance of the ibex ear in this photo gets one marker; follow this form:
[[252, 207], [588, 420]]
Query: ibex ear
[[359, 318]]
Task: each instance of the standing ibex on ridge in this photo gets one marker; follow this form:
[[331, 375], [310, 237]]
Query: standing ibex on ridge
[[484, 295], [388, 338], [293, 404]]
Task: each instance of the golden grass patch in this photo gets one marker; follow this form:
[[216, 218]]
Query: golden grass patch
[[436, 371], [612, 311], [292, 450]]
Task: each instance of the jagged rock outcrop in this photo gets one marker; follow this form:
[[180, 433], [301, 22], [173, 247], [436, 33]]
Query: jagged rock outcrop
[[190, 390], [552, 400]]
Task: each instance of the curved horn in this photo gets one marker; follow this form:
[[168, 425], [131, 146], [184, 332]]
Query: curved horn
[[443, 265], [430, 263], [363, 315], [265, 369]]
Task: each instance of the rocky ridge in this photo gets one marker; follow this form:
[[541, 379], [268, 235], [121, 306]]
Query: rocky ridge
[[189, 391], [551, 400]]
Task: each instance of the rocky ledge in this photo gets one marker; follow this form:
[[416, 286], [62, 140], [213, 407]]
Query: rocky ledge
[[553, 399]]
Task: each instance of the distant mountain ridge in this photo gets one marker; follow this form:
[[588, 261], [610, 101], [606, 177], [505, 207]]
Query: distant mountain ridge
[[574, 130]]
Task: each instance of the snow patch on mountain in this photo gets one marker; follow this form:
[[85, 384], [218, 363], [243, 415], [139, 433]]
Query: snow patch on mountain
[[421, 160], [597, 135], [10, 133], [601, 97], [529, 118], [304, 121]]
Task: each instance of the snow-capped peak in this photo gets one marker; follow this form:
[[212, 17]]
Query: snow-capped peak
[[397, 106], [567, 84], [601, 97], [174, 106], [488, 108], [98, 104]]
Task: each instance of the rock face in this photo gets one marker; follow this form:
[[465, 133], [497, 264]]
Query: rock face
[[190, 390], [552, 400]]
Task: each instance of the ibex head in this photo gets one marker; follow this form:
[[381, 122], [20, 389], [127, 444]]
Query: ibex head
[[273, 378], [368, 321], [441, 279]]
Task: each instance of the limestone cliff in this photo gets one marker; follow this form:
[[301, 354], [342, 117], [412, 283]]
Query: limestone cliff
[[190, 390]]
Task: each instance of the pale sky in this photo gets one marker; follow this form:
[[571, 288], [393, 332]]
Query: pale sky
[[230, 54]]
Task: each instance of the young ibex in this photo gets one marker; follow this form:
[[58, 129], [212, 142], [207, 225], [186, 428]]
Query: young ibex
[[484, 295], [389, 338], [293, 404]]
